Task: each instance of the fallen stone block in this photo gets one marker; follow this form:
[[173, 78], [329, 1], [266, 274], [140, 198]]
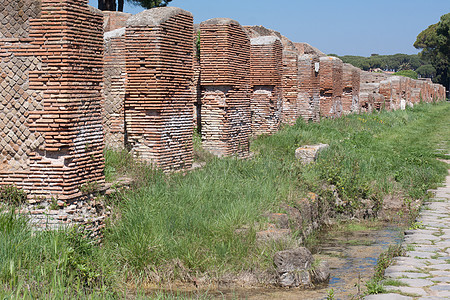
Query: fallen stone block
[[308, 154]]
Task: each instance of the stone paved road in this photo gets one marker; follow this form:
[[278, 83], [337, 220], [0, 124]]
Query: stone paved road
[[425, 269]]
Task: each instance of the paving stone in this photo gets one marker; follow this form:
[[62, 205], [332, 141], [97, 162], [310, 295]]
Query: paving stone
[[417, 283], [440, 267], [440, 273], [407, 290], [399, 268], [441, 279], [390, 296], [419, 254], [440, 287], [407, 275]]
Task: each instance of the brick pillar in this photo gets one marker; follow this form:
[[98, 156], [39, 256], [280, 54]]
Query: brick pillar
[[291, 88], [330, 87], [265, 75], [350, 83], [386, 90], [114, 89], [158, 103], [225, 81], [308, 98], [56, 51]]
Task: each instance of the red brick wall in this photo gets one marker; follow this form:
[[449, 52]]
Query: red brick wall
[[158, 103], [113, 20], [308, 99], [225, 84], [291, 87], [331, 87], [266, 67], [351, 84], [56, 135]]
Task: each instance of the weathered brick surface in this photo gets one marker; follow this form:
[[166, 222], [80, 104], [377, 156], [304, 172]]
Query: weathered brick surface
[[309, 91], [291, 88], [51, 64], [266, 68], [158, 102], [331, 87], [225, 84], [370, 85], [113, 20], [351, 84], [114, 76]]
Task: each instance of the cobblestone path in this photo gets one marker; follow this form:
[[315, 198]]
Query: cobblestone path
[[424, 271]]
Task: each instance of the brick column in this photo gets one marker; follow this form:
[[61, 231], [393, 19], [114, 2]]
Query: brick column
[[265, 75], [158, 103], [308, 98], [225, 81], [330, 87], [291, 88], [55, 129]]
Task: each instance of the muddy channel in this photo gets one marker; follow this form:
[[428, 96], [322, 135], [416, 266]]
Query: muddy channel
[[351, 255]]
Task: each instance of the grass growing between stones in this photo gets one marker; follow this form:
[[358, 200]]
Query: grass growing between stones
[[202, 225]]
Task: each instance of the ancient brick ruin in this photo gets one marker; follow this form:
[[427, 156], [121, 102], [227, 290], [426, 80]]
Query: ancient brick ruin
[[331, 87], [266, 69], [351, 77], [158, 102], [114, 88], [67, 88], [291, 88], [225, 87], [309, 91], [51, 72]]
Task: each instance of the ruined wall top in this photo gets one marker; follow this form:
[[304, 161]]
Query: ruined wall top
[[114, 34], [114, 19], [155, 16], [264, 40], [220, 21], [305, 48], [261, 31]]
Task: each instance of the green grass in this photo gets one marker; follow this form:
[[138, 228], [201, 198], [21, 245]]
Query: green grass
[[180, 226]]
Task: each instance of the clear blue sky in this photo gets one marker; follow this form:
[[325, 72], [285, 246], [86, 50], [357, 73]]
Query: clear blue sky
[[356, 27]]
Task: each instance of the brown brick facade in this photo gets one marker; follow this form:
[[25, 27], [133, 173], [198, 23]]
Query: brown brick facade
[[158, 101], [51, 61], [331, 87], [266, 68], [225, 87]]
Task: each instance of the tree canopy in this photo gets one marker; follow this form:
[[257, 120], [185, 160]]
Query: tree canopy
[[435, 45], [396, 62], [114, 5]]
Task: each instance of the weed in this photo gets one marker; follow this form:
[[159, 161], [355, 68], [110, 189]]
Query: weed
[[375, 287], [330, 295], [12, 195], [385, 260], [417, 225], [393, 282], [90, 187]]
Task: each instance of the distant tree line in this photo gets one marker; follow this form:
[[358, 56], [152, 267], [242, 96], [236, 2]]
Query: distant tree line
[[394, 63], [433, 62]]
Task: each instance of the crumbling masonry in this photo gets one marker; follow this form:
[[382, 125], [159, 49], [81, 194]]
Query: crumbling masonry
[[51, 72], [225, 87], [143, 85], [266, 68]]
